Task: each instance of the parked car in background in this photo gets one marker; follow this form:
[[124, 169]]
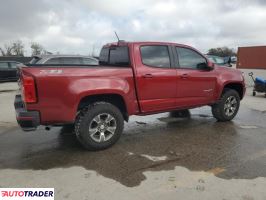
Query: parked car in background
[[220, 60], [8, 70], [64, 60], [233, 59]]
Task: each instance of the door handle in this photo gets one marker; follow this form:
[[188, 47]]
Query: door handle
[[184, 76], [147, 76]]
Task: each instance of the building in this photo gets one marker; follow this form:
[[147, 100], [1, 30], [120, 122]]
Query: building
[[251, 57]]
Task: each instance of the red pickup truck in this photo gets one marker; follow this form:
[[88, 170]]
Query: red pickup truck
[[132, 78]]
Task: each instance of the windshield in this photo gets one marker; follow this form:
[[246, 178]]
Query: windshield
[[219, 60]]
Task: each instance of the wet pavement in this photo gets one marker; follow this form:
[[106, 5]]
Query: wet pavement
[[156, 143]]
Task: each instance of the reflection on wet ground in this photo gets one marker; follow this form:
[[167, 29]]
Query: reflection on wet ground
[[158, 142]]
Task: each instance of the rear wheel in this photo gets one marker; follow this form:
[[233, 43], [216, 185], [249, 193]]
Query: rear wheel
[[254, 93], [99, 126], [227, 107]]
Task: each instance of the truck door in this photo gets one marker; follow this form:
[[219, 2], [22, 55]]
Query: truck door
[[195, 86], [156, 79]]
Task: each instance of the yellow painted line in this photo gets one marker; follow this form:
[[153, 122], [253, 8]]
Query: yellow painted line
[[216, 170]]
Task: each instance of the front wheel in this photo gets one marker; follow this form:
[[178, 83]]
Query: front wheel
[[99, 126], [227, 107]]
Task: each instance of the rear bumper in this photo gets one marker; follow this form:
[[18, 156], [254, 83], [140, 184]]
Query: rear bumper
[[28, 120]]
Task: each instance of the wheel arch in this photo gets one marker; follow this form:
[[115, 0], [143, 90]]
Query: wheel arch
[[113, 98], [235, 86]]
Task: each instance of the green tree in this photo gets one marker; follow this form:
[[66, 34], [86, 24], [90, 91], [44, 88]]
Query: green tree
[[221, 51]]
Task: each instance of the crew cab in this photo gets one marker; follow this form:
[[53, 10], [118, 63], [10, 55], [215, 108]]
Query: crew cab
[[132, 78]]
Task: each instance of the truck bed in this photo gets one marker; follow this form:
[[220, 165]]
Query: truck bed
[[60, 88]]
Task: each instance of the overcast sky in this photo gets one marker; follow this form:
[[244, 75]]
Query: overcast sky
[[75, 26]]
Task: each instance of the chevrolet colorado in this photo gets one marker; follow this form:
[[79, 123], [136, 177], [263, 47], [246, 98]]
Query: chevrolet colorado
[[132, 78]]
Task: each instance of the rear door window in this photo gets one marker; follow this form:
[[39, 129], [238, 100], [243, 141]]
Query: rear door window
[[155, 56]]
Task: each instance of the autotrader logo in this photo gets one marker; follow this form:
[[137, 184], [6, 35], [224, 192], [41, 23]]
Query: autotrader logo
[[26, 193]]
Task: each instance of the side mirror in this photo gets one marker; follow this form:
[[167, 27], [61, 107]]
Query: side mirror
[[210, 65], [206, 66]]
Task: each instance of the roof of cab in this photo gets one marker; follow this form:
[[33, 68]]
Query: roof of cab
[[127, 43]]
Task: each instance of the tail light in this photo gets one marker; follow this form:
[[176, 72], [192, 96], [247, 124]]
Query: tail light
[[29, 89]]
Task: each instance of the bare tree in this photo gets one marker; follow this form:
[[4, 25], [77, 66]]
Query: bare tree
[[7, 50], [18, 48], [37, 49]]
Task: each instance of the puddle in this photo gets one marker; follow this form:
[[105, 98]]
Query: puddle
[[179, 183]]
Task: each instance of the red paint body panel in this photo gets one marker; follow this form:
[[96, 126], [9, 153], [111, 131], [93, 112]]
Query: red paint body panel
[[60, 89], [199, 89], [60, 94], [158, 92]]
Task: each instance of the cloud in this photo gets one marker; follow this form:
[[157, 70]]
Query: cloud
[[79, 27]]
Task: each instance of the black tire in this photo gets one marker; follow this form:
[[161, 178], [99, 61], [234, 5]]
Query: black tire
[[88, 115], [253, 93], [219, 109]]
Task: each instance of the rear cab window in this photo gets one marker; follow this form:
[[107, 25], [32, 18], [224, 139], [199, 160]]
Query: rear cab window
[[115, 56]]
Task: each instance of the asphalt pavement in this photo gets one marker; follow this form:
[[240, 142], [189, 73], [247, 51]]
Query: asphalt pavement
[[158, 157]]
